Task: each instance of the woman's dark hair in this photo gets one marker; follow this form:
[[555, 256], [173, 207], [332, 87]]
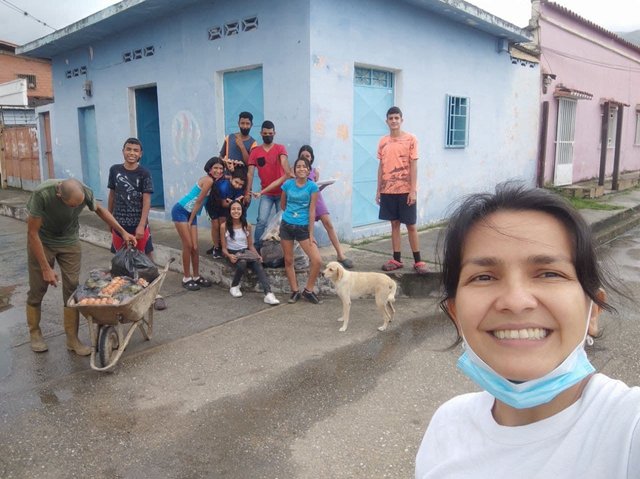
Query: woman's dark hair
[[214, 196], [212, 161], [306, 162], [512, 196], [229, 221], [309, 150]]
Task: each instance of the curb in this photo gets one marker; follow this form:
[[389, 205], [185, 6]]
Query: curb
[[609, 228], [221, 273]]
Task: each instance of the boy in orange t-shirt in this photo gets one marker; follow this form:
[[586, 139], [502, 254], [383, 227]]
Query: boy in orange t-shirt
[[396, 193]]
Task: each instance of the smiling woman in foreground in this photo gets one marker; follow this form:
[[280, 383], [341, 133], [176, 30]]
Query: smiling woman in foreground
[[524, 289]]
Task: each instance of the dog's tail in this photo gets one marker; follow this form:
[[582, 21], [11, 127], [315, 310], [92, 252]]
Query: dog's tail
[[391, 297], [393, 287]]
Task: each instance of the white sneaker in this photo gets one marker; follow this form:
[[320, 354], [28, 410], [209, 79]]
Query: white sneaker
[[271, 299], [235, 291]]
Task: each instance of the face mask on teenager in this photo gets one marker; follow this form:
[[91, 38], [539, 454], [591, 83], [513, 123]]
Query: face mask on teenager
[[267, 139], [245, 131], [532, 393]]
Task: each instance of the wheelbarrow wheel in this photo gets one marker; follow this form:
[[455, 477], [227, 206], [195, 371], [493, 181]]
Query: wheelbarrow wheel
[[107, 342]]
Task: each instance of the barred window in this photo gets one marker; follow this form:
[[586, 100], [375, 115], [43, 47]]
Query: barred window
[[31, 80], [457, 130]]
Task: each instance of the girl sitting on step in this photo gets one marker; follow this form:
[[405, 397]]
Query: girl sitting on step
[[238, 248]]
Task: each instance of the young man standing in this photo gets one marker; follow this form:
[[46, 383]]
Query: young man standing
[[237, 147], [396, 193], [273, 168], [130, 188], [53, 236]]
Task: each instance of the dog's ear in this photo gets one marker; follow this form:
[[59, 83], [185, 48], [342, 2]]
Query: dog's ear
[[339, 272]]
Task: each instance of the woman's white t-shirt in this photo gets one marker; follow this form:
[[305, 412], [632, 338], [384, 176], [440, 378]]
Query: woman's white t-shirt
[[597, 437]]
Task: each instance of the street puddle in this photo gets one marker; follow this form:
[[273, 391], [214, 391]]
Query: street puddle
[[9, 316]]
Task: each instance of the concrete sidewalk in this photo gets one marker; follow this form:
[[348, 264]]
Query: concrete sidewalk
[[368, 255]]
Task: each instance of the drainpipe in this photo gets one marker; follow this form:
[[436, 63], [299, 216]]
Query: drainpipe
[[603, 142], [542, 144], [3, 163], [616, 156]]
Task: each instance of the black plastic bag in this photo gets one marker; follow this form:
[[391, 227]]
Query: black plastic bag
[[272, 255], [131, 262]]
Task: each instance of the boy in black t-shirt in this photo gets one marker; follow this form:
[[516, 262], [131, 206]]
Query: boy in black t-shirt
[[130, 187]]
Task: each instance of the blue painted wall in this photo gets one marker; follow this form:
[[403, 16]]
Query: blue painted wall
[[430, 57], [308, 51], [187, 69]]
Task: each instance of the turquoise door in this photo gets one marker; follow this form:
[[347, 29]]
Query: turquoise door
[[243, 92], [89, 150], [373, 96], [148, 127]]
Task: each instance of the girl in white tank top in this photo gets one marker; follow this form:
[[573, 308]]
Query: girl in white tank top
[[238, 248]]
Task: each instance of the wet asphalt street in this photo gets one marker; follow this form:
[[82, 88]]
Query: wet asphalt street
[[233, 388]]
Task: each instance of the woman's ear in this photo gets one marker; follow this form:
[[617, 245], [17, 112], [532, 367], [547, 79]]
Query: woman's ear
[[595, 313], [450, 305]]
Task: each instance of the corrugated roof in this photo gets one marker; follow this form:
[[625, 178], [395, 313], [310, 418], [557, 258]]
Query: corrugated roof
[[592, 25]]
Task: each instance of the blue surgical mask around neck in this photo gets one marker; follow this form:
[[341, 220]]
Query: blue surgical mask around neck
[[530, 393]]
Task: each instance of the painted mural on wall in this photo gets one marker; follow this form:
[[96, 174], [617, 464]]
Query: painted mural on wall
[[186, 141]]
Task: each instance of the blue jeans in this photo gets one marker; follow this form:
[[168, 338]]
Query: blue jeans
[[267, 208]]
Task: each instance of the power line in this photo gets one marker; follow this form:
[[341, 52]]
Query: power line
[[587, 60], [25, 13]]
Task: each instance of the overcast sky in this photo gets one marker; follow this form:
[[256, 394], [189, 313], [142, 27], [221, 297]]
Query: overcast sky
[[15, 27]]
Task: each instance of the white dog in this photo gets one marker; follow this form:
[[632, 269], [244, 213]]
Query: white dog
[[352, 284]]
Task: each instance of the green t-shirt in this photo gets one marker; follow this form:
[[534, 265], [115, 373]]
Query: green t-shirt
[[59, 221]]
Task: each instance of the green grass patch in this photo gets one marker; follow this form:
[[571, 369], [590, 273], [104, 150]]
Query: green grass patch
[[593, 204]]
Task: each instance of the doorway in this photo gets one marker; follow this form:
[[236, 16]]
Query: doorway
[[90, 161], [148, 128], [243, 92], [373, 96]]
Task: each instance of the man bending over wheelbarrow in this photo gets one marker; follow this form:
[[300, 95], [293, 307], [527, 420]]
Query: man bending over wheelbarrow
[[52, 235]]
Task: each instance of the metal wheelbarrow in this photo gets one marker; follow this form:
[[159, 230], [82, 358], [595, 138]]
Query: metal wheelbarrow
[[107, 322]]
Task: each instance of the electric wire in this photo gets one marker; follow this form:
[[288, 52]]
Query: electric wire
[[590, 61], [25, 13]]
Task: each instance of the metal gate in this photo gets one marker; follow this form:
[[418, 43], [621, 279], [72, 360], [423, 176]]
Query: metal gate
[[21, 157], [565, 134]]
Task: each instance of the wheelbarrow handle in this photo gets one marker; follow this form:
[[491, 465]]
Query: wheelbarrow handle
[[166, 267]]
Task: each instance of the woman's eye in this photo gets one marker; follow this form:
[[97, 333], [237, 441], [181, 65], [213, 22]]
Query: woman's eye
[[550, 274], [482, 277]]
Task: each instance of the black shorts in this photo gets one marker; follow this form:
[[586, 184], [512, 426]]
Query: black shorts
[[395, 208], [218, 212], [290, 232]]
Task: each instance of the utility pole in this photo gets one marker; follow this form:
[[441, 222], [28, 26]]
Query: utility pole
[[3, 163]]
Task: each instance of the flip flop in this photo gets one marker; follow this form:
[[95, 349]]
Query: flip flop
[[347, 263], [392, 265]]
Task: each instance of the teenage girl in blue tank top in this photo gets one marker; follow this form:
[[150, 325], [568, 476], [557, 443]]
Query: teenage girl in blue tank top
[[185, 217]]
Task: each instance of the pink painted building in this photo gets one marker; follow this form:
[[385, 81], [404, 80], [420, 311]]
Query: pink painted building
[[590, 92]]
